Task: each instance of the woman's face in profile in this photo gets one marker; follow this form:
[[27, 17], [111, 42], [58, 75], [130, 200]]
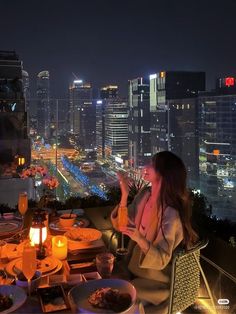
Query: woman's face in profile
[[150, 174]]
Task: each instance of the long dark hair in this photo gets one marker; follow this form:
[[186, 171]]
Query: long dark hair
[[174, 192]]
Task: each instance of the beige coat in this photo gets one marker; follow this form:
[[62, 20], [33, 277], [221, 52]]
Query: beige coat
[[153, 269]]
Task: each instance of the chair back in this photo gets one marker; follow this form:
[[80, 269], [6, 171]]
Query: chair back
[[185, 278]]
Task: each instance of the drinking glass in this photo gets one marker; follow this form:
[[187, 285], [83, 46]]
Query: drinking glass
[[122, 223], [29, 263], [105, 263], [23, 203]]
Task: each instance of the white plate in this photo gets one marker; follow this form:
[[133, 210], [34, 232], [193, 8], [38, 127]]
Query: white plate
[[77, 211], [57, 227], [18, 296], [78, 296], [11, 270], [9, 226]]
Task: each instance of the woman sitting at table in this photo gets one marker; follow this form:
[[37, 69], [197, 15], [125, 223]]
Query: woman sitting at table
[[159, 221]]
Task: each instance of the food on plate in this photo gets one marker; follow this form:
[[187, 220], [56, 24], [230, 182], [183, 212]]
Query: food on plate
[[5, 302], [83, 234], [110, 299]]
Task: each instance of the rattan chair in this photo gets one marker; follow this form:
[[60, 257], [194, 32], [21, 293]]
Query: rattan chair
[[185, 279]]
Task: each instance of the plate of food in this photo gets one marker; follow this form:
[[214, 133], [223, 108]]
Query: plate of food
[[103, 296], [11, 298], [83, 235], [48, 265], [79, 223]]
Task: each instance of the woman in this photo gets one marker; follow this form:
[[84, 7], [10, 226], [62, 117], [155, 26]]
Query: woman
[[159, 221]]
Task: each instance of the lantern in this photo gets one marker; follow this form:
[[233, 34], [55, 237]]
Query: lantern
[[38, 232]]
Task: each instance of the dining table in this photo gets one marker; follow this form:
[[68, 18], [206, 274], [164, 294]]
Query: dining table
[[32, 304]]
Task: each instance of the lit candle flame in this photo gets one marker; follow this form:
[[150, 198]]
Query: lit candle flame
[[60, 243]]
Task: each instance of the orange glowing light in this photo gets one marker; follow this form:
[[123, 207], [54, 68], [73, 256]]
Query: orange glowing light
[[35, 235], [162, 74], [216, 152], [21, 161]]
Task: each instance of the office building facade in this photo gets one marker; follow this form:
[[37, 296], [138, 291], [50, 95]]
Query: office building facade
[[43, 104], [173, 108], [14, 139], [116, 128], [217, 147], [82, 114], [139, 122], [109, 92]]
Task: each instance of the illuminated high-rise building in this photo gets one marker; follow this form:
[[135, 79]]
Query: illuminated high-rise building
[[173, 106], [26, 88], [82, 114], [109, 92], [100, 128], [139, 122], [14, 139], [116, 128], [43, 104], [217, 140]]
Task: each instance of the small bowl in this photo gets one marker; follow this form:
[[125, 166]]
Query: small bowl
[[67, 220], [24, 283]]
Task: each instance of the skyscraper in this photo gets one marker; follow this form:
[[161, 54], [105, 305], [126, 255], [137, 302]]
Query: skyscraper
[[116, 128], [109, 92], [100, 128], [163, 87], [43, 104], [139, 122], [82, 111], [217, 140], [14, 139], [26, 88], [173, 107]]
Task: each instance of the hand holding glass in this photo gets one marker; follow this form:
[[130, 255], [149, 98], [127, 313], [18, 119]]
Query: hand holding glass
[[122, 223]]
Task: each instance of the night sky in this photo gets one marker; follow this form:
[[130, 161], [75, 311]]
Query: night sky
[[112, 41]]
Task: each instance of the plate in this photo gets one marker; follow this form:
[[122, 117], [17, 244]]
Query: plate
[[18, 297], [80, 222], [78, 296], [12, 270], [44, 266], [9, 226], [83, 235], [4, 279], [77, 211]]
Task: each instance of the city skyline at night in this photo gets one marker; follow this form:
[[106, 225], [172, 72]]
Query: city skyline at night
[[66, 38]]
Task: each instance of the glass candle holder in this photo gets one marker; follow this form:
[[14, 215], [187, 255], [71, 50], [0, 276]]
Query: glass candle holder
[[59, 247]]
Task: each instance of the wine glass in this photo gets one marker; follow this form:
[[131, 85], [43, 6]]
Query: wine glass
[[122, 223], [29, 263], [23, 203]]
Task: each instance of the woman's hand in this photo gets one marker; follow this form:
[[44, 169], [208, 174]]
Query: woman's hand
[[132, 232], [136, 236]]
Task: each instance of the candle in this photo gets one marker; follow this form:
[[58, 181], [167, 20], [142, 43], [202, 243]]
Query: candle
[[59, 247]]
